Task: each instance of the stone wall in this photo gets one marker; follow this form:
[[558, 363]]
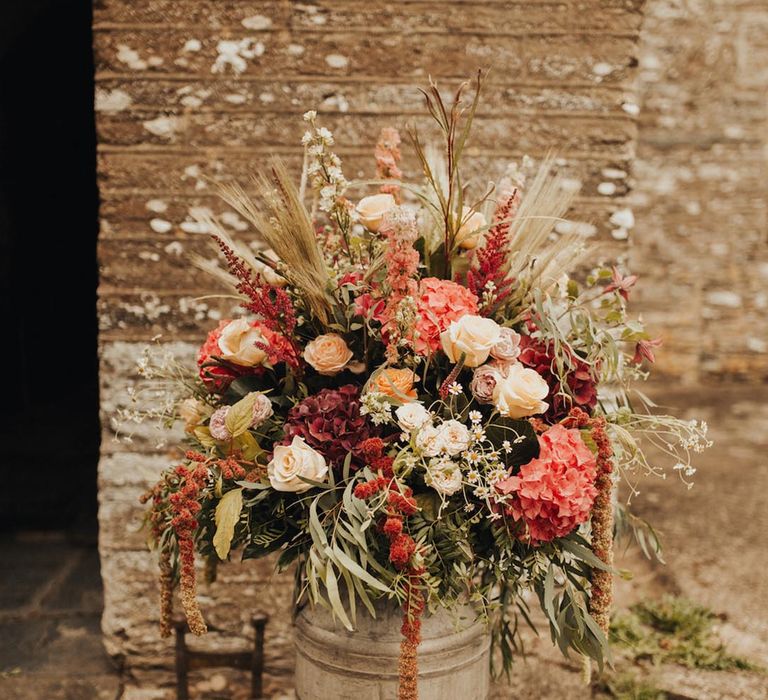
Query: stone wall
[[189, 90], [701, 186]]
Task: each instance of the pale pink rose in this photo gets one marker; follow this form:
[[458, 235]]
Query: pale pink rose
[[218, 424], [507, 348], [262, 409], [328, 354], [483, 384]]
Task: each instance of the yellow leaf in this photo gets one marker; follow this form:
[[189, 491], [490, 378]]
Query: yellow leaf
[[240, 415], [227, 515], [248, 446], [203, 436]]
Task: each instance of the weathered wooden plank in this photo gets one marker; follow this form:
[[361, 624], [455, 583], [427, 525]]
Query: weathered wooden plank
[[384, 17], [163, 174], [194, 130], [328, 53], [293, 95]]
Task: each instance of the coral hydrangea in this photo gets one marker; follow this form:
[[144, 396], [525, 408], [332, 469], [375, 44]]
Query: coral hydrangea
[[331, 423], [553, 493], [440, 302]]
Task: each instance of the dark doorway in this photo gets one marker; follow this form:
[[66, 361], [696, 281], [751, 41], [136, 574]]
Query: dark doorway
[[49, 433]]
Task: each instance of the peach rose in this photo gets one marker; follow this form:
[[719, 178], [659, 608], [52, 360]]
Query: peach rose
[[371, 210], [328, 354], [395, 383], [469, 232], [238, 343], [520, 392], [473, 336]]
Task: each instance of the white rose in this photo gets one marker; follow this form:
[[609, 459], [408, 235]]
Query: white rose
[[520, 392], [371, 210], [291, 462], [443, 476], [238, 343], [454, 437], [469, 232], [412, 416], [472, 335], [428, 441]]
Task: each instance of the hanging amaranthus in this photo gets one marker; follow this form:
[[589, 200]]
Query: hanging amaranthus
[[404, 556], [601, 595]]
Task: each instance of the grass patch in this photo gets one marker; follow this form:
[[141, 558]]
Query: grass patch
[[674, 630], [629, 686]]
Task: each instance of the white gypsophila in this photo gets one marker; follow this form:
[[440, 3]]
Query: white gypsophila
[[412, 416], [443, 476], [374, 405], [454, 437], [428, 441]]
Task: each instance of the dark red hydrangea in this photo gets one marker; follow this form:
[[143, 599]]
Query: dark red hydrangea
[[582, 388], [331, 423]]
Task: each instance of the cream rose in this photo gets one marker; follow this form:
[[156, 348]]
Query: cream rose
[[238, 343], [469, 232], [428, 441], [371, 210], [291, 462], [453, 437], [328, 354], [412, 416], [520, 392], [443, 476], [472, 335]]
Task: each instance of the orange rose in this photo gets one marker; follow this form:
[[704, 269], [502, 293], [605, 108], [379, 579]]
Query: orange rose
[[395, 383]]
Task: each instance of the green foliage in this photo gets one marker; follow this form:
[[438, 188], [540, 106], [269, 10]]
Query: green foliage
[[629, 686]]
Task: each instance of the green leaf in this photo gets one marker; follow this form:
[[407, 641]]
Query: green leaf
[[227, 515], [355, 568], [332, 586], [584, 553], [240, 415]]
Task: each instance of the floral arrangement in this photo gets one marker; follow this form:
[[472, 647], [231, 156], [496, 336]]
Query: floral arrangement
[[418, 402]]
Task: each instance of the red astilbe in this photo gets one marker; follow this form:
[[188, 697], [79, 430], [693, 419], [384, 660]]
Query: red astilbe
[[272, 305], [489, 271], [387, 154]]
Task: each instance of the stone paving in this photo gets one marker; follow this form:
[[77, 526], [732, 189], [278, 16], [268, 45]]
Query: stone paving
[[50, 593]]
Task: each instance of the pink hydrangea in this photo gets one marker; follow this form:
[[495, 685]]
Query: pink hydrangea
[[554, 493], [439, 303]]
